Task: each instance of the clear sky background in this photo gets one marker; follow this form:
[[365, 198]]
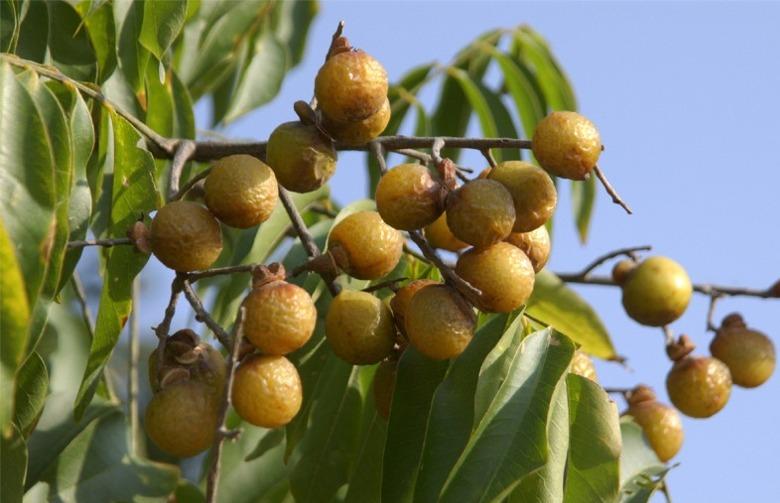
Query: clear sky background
[[686, 98]]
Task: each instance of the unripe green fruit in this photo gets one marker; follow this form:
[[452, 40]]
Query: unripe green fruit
[[439, 322], [535, 244], [384, 386], [280, 317], [364, 246], [661, 425], [567, 145], [182, 418], [400, 301], [440, 236], [350, 86], [359, 327], [749, 354], [241, 191], [502, 272], [532, 190], [480, 212], [657, 292], [185, 236], [267, 391], [699, 386], [408, 197], [302, 159], [582, 365], [359, 132]]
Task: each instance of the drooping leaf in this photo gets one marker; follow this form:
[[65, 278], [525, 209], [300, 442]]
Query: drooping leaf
[[365, 483], [560, 307], [530, 47], [640, 468], [69, 46], [476, 100], [132, 56], [529, 103], [293, 19], [32, 383], [161, 25], [99, 22], [583, 198], [13, 465], [505, 126], [33, 34]]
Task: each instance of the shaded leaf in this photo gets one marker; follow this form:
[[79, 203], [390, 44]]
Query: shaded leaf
[[10, 19], [293, 21], [33, 34], [505, 126], [32, 383], [583, 198], [69, 46], [102, 35], [365, 483], [13, 464], [162, 22], [639, 466], [529, 103], [132, 56]]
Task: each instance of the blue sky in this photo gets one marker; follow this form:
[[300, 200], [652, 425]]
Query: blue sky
[[686, 98]]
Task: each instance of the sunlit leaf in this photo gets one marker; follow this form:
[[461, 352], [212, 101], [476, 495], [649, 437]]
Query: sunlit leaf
[[161, 25]]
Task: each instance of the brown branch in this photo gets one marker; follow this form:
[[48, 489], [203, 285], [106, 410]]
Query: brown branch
[[629, 252], [163, 329], [379, 154], [668, 335], [108, 242], [202, 315], [133, 356], [711, 327], [611, 190], [463, 286], [184, 149], [192, 277], [190, 184], [489, 157], [392, 284]]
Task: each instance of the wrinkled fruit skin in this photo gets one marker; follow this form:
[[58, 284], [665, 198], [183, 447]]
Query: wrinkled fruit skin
[[185, 236], [440, 236], [480, 212], [502, 272], [300, 157], [567, 145], [582, 365], [699, 386], [267, 391], [364, 246], [362, 131], [749, 355], [241, 191], [384, 385], [350, 86], [400, 301], [359, 327], [280, 317], [439, 323], [532, 190], [408, 198], [662, 427], [535, 244], [657, 292], [182, 418]]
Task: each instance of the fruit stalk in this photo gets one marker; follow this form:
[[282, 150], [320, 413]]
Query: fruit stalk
[[163, 329], [184, 150], [202, 315], [611, 190]]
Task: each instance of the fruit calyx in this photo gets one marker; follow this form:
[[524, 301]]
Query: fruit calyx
[[263, 275], [140, 236], [733, 320], [639, 394], [447, 170], [680, 349]]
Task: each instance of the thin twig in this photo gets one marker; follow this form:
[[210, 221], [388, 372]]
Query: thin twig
[[619, 391], [414, 253], [379, 154], [190, 184], [436, 148], [711, 327], [163, 329], [392, 284], [668, 335], [108, 242], [192, 277], [463, 286], [184, 149], [611, 190], [489, 157], [202, 315], [616, 253], [212, 481], [133, 356]]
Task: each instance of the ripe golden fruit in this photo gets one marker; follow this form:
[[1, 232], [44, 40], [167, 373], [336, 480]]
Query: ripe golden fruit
[[440, 236], [699, 386], [622, 269], [439, 322], [532, 190], [502, 272], [535, 244], [359, 327], [480, 212], [182, 418], [241, 191], [350, 86], [185, 236], [657, 292], [302, 159], [660, 423], [359, 132], [400, 301], [749, 354], [267, 390], [280, 317], [384, 385], [364, 246], [567, 145], [582, 365], [408, 197]]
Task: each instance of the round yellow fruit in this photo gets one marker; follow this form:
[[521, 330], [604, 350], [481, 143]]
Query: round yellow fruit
[[280, 317], [657, 292], [440, 236], [582, 365], [439, 322], [567, 145], [359, 327], [535, 244], [384, 386], [362, 131], [480, 212], [532, 190], [350, 86], [699, 386], [502, 272], [185, 236], [400, 301], [300, 156], [661, 425], [241, 191], [182, 418], [408, 197], [364, 246], [749, 354], [267, 391]]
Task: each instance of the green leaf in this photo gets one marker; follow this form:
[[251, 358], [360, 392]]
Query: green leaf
[[583, 197], [529, 103], [532, 49], [476, 100], [640, 468], [293, 19], [69, 46], [128, 19], [365, 483], [184, 125], [133, 193], [505, 126], [451, 418], [159, 99], [161, 25], [262, 78], [560, 307], [592, 473], [9, 25], [102, 35], [511, 440], [33, 34], [32, 384], [13, 465]]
